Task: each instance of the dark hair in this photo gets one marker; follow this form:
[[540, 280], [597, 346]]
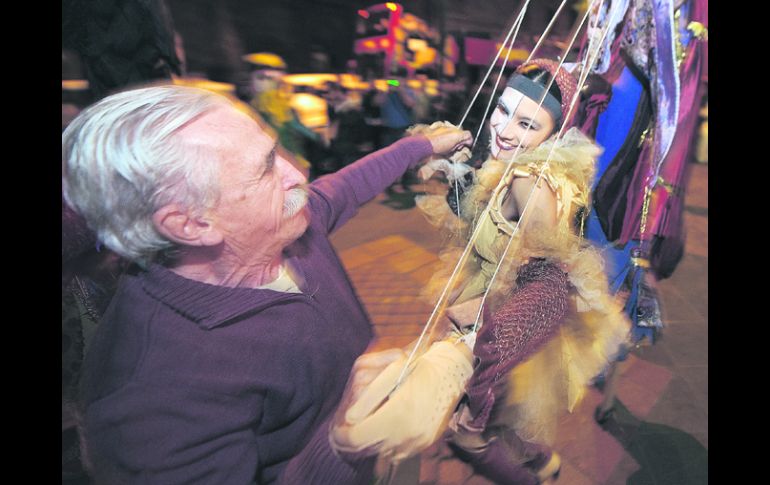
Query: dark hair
[[543, 77]]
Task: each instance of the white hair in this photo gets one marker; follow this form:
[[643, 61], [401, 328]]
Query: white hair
[[122, 160]]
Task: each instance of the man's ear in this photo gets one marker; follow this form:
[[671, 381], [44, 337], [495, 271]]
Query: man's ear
[[180, 225]]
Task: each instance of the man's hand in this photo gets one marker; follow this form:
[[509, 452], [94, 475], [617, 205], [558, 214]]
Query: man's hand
[[448, 139], [451, 147], [400, 422], [367, 367]]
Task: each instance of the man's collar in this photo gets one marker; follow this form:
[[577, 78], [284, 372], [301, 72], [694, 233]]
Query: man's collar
[[207, 305]]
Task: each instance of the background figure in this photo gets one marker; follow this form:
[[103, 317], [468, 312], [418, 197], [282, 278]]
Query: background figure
[[122, 43], [346, 124], [396, 110], [372, 116], [89, 278], [270, 97], [110, 45], [423, 111], [397, 114]]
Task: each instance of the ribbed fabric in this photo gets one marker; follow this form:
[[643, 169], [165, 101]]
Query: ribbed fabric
[[207, 305], [317, 464]]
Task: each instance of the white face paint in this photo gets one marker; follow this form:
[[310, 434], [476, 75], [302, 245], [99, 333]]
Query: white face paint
[[507, 105], [517, 123]]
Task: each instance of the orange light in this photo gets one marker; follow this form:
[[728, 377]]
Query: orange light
[[363, 13], [370, 44], [384, 42], [391, 6]]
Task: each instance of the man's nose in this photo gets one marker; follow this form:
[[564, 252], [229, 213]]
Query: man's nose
[[290, 175]]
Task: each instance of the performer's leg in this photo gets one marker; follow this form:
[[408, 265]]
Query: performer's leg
[[500, 455]]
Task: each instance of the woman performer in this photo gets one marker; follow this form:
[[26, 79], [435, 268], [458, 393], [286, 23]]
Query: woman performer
[[549, 324]]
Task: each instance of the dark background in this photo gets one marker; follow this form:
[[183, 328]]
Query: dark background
[[216, 33]]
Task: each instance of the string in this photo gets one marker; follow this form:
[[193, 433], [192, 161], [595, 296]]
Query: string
[[546, 31], [492, 65], [441, 303], [512, 32], [543, 168]]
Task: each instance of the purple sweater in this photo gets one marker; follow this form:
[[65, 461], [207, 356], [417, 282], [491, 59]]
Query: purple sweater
[[189, 383]]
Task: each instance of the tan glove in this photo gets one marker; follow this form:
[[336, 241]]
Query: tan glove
[[401, 423]]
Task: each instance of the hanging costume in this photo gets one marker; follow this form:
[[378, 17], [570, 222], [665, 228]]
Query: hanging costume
[[655, 64]]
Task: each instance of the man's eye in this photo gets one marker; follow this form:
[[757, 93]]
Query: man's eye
[[270, 163], [502, 109]]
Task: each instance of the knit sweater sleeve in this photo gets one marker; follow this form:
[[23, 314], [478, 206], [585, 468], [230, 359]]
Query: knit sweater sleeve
[[336, 197], [318, 464]]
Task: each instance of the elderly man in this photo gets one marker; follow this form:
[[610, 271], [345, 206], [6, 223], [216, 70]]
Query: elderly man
[[227, 348]]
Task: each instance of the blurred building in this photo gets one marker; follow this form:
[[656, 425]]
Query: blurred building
[[313, 33]]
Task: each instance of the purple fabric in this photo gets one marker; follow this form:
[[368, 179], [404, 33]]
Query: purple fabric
[[666, 208], [595, 96], [318, 463], [190, 383], [675, 169], [591, 109], [527, 319], [523, 323], [665, 92], [498, 463], [76, 237]]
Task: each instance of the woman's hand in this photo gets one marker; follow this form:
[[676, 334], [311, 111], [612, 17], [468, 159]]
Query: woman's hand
[[464, 314]]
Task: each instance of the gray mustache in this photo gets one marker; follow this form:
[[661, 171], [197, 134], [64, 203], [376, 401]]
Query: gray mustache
[[295, 200]]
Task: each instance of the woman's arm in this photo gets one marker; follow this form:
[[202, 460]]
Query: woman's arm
[[541, 209], [530, 315]]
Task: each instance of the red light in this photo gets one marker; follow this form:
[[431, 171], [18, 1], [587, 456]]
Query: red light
[[391, 6], [363, 13]]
